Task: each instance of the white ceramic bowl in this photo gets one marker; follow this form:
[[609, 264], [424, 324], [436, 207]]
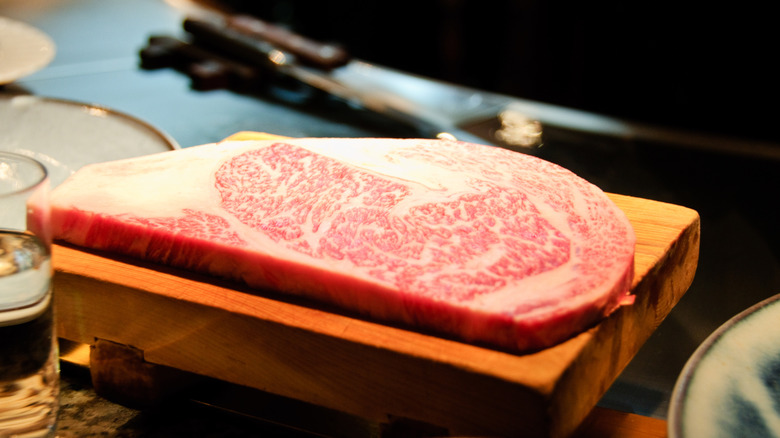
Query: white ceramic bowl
[[730, 387]]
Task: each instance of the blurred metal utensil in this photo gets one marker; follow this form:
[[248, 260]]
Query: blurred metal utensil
[[258, 52], [435, 107]]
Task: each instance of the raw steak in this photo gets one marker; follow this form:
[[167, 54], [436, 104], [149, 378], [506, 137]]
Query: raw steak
[[478, 242]]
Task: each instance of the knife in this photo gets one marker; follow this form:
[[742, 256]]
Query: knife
[[318, 65], [441, 109], [526, 125]]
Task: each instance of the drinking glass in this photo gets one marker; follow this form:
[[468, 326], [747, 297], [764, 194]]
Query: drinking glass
[[29, 362]]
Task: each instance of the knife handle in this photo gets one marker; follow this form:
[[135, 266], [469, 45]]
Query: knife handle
[[231, 42], [314, 53], [207, 70]]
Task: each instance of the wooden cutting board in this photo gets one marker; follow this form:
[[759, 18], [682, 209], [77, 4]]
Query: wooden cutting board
[[377, 372]]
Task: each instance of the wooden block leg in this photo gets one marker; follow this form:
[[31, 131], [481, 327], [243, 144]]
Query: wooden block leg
[[120, 374]]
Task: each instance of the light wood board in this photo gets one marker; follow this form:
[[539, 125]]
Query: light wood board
[[221, 330]]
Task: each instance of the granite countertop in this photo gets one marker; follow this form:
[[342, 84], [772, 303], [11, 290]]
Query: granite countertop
[[83, 413]]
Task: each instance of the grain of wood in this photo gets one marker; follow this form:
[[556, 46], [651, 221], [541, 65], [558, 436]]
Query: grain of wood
[[312, 353]]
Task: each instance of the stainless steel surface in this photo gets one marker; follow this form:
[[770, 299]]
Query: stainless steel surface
[[731, 182]]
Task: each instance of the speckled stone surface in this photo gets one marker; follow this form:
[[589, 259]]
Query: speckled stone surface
[[85, 414]]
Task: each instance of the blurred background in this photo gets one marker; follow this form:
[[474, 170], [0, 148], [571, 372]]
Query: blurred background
[[700, 65]]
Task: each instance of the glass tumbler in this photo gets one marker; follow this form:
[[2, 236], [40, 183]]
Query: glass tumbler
[[29, 362]]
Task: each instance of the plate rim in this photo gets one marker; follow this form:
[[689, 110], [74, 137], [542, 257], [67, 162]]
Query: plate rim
[[682, 385], [43, 58], [84, 106]]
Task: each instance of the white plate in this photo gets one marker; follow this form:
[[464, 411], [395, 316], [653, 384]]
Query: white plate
[[23, 50], [66, 135], [730, 387]]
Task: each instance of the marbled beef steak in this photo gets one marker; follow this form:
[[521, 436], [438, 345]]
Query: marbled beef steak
[[476, 242]]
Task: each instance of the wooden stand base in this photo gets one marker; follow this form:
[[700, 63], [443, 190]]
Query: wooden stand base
[[117, 370]]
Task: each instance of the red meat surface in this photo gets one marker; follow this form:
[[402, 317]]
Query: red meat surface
[[474, 242]]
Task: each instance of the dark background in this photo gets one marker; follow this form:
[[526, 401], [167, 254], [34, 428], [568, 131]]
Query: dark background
[[696, 65]]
